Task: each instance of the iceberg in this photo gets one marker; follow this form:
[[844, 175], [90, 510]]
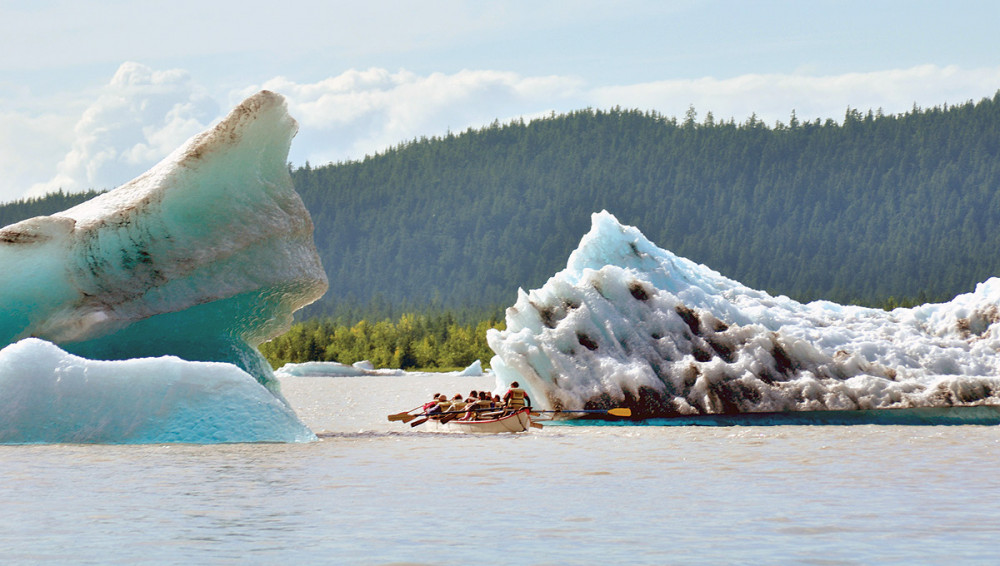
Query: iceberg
[[333, 369], [475, 369], [203, 257], [629, 324], [51, 396], [357, 369]]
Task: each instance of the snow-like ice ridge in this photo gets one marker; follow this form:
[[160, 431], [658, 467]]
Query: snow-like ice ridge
[[627, 323]]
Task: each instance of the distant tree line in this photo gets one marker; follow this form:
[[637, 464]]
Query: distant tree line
[[22, 209], [412, 341]]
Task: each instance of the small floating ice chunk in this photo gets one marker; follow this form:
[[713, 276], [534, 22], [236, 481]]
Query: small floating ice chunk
[[474, 369], [333, 369]]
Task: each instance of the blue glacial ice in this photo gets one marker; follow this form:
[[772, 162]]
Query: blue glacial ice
[[202, 258], [51, 396], [630, 324]]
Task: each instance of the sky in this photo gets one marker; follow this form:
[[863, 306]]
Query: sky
[[93, 93]]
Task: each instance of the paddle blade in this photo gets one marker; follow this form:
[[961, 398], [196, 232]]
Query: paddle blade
[[419, 422], [536, 425], [620, 412], [399, 417]]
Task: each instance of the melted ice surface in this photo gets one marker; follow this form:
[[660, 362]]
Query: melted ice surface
[[628, 323]]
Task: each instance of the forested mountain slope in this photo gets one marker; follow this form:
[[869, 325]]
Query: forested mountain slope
[[876, 206]]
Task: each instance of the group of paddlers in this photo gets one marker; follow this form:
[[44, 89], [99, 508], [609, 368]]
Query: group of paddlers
[[478, 405]]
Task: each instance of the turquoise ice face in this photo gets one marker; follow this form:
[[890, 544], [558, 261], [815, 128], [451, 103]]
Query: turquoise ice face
[[203, 257], [33, 278]]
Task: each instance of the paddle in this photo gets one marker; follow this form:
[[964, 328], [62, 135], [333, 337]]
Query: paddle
[[405, 416], [449, 415], [616, 412]]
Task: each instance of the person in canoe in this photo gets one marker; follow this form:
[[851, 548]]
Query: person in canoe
[[470, 403], [479, 406], [516, 398], [452, 407], [438, 404], [432, 403]]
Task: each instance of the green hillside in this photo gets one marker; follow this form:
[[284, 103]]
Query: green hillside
[[871, 208], [860, 211]]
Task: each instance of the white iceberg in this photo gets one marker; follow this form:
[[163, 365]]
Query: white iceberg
[[333, 369], [475, 369], [627, 323], [357, 369]]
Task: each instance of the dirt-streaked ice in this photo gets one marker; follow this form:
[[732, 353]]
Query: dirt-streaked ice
[[627, 323]]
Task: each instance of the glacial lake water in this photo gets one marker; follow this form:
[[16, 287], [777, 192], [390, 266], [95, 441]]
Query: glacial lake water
[[376, 492]]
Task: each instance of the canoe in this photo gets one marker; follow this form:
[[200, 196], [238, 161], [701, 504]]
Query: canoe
[[514, 422]]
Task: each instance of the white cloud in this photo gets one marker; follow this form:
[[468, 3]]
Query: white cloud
[[30, 144], [361, 112], [103, 139], [773, 96], [137, 119]]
